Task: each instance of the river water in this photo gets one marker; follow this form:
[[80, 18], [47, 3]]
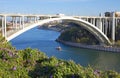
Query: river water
[[44, 40]]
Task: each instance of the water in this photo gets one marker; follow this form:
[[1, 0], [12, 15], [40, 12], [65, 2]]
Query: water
[[44, 40]]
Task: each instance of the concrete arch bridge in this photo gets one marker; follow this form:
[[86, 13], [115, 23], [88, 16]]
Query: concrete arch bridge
[[21, 23]]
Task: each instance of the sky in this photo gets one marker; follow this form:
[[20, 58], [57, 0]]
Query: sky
[[67, 7]]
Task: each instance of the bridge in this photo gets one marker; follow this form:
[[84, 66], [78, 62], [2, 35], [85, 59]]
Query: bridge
[[16, 24]]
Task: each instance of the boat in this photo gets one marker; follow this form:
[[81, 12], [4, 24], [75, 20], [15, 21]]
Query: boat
[[58, 48]]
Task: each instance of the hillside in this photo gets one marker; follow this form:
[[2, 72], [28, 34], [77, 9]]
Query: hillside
[[78, 35], [31, 63]]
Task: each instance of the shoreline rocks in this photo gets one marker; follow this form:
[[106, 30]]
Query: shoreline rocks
[[94, 47]]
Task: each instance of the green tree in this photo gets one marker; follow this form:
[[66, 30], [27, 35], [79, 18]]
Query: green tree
[[78, 35]]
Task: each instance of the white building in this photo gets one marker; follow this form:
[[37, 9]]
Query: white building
[[117, 14]]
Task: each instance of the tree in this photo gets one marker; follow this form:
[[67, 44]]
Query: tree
[[78, 35]]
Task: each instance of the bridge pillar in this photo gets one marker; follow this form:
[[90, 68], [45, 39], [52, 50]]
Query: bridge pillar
[[3, 31], [4, 27], [13, 22], [37, 19], [106, 26], [93, 21], [113, 26], [34, 19], [100, 24], [116, 23], [97, 22], [109, 25], [23, 22], [103, 25], [30, 19], [27, 19], [20, 22], [16, 23], [87, 19]]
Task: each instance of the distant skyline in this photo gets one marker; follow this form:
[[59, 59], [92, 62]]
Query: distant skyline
[[67, 7]]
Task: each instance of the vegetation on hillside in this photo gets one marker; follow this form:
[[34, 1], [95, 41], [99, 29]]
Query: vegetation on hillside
[[78, 35], [31, 63], [87, 36], [73, 33]]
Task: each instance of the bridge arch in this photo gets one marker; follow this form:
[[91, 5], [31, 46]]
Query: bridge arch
[[103, 39]]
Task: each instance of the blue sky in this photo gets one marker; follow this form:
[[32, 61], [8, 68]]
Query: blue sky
[[68, 7]]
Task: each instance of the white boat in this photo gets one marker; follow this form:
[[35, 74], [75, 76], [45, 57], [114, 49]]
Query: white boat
[[58, 48]]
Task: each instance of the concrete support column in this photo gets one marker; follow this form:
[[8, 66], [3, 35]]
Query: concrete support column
[[109, 25], [97, 23], [87, 19], [49, 17], [103, 25], [30, 19], [20, 21], [13, 22], [116, 23], [23, 22], [39, 18], [16, 23], [27, 19], [93, 21], [113, 27], [106, 26], [3, 27], [36, 19], [100, 24]]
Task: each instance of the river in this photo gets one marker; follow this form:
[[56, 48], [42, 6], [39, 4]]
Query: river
[[44, 40]]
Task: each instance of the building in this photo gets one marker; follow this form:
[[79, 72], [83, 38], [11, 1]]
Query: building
[[117, 14], [110, 14], [107, 14]]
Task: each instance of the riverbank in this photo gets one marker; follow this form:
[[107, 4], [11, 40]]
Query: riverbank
[[94, 47], [54, 28]]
